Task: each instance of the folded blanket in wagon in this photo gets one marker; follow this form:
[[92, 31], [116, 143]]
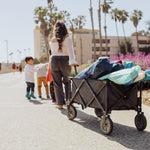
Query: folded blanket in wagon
[[124, 76]]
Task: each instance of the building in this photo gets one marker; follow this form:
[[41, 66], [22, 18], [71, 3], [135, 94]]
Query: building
[[39, 45], [84, 46]]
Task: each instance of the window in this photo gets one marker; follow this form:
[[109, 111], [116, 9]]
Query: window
[[103, 49], [85, 32], [144, 41], [98, 41]]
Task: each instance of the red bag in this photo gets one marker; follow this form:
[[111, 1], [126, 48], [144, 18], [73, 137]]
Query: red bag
[[49, 75]]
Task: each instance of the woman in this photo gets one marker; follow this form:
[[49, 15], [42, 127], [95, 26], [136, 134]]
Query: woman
[[62, 57]]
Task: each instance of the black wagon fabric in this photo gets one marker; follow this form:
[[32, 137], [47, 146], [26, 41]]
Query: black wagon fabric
[[109, 95]]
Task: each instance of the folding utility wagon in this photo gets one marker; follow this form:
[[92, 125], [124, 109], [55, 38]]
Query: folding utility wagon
[[105, 96]]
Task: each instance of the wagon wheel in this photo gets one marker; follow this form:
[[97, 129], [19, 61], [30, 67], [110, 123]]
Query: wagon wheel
[[71, 112], [140, 122], [98, 112], [106, 125]]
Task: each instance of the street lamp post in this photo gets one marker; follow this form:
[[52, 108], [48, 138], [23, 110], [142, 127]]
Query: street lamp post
[[20, 56], [7, 50]]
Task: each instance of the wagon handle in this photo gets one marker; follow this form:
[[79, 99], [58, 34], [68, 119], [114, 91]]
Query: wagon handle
[[75, 68]]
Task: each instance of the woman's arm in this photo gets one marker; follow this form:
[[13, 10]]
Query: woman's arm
[[70, 50]]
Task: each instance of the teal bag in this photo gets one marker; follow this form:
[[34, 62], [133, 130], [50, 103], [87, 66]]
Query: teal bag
[[128, 64], [147, 75], [123, 76]]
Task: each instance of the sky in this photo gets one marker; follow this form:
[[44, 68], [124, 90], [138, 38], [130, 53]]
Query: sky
[[17, 21]]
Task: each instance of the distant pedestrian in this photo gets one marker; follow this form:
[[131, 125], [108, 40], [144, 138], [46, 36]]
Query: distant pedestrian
[[0, 67], [17, 68], [20, 68], [29, 77], [62, 59], [14, 67], [41, 78]]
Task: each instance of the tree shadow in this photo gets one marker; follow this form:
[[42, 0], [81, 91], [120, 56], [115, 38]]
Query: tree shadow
[[35, 102], [125, 135]]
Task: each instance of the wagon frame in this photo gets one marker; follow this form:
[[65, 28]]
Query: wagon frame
[[105, 96]]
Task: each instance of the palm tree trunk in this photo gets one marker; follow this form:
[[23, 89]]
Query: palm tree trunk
[[106, 41], [126, 46], [117, 36], [100, 33], [137, 39], [73, 37], [81, 48], [51, 33], [46, 40], [91, 13]]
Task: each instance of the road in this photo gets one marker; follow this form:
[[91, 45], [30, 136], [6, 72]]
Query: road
[[38, 125]]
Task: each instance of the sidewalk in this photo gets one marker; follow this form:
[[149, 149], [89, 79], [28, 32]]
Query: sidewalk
[[38, 125]]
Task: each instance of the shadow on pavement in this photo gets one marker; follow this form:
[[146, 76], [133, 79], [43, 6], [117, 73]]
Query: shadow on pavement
[[125, 135], [45, 99], [35, 102], [130, 137]]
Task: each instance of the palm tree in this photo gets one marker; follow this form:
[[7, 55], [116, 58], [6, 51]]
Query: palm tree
[[100, 30], [81, 22], [47, 19], [148, 29], [123, 16], [65, 17], [115, 17], [92, 22], [49, 1], [106, 6], [136, 16], [51, 7], [72, 27], [77, 23], [41, 17]]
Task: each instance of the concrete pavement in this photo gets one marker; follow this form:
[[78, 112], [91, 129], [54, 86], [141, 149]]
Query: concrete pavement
[[38, 125]]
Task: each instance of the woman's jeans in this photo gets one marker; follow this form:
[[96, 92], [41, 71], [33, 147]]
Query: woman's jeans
[[60, 70]]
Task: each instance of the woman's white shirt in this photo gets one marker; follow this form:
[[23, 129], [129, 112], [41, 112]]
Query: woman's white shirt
[[67, 50]]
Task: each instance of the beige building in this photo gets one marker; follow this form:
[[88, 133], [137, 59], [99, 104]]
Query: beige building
[[83, 45], [39, 45]]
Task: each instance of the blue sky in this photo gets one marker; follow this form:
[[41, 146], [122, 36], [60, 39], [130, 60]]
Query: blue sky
[[17, 23]]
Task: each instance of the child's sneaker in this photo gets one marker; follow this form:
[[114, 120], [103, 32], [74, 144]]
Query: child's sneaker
[[32, 96], [27, 96], [53, 101], [48, 97]]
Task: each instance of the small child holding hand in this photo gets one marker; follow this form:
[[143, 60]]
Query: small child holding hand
[[29, 77]]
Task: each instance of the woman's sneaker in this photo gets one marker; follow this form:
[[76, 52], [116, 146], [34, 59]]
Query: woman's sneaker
[[27, 96], [32, 96]]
